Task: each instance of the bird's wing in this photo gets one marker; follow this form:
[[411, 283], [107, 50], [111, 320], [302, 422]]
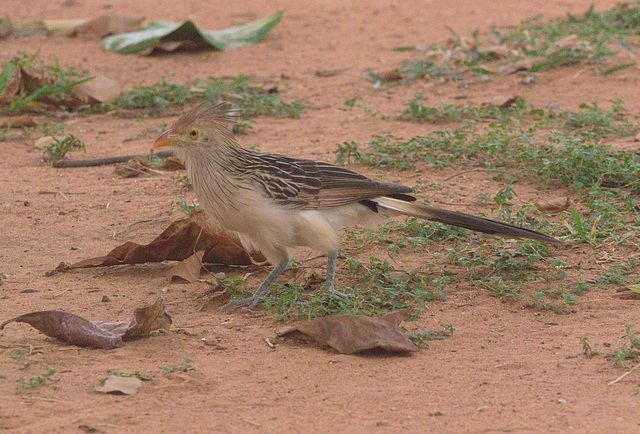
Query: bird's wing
[[307, 184]]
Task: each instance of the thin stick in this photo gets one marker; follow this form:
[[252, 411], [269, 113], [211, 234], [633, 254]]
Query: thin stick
[[106, 161], [623, 375], [60, 293]]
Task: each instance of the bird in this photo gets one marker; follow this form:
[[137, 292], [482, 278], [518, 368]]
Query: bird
[[274, 203]]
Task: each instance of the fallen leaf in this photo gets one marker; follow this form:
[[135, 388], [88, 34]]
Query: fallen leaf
[[349, 334], [329, 72], [187, 270], [69, 328], [65, 27], [171, 36], [147, 319], [176, 243], [33, 89], [24, 121], [524, 64], [98, 90], [171, 164], [501, 101], [496, 52], [120, 385], [389, 75], [75, 330], [305, 277], [108, 24], [554, 206]]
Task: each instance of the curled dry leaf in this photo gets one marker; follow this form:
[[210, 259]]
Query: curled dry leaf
[[329, 72], [24, 121], [69, 328], [98, 90], [179, 241], [75, 330], [349, 334], [554, 206], [108, 24], [188, 270], [501, 101]]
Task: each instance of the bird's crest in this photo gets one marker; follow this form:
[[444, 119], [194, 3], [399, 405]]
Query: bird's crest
[[218, 116]]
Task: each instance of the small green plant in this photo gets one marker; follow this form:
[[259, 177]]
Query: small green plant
[[34, 382], [157, 97], [587, 350], [21, 358], [422, 337], [346, 152], [55, 88], [630, 352], [182, 367], [185, 207], [250, 100], [57, 150], [138, 375]]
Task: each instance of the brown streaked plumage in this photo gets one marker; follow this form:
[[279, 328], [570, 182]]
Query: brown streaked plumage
[[275, 202]]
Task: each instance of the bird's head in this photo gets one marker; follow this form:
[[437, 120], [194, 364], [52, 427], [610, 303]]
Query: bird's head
[[204, 126]]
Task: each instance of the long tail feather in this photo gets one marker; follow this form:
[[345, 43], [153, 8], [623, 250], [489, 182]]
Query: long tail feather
[[467, 221]]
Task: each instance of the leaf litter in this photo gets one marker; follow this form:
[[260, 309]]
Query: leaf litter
[[180, 241], [75, 330], [350, 334]]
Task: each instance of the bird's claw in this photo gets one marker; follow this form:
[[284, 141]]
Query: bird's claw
[[249, 302]]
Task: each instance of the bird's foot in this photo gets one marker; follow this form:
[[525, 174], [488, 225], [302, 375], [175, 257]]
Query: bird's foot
[[333, 291], [249, 302]]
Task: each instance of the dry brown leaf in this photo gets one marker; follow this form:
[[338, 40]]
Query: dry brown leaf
[[554, 206], [501, 101], [98, 90], [24, 121], [179, 241], [108, 24], [118, 384], [66, 27], [329, 72], [23, 83], [75, 330], [305, 277], [496, 52], [69, 328], [147, 319], [171, 164], [188, 270], [349, 334], [389, 76], [524, 64]]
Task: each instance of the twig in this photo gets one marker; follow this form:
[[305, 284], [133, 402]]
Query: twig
[[106, 161], [60, 293], [623, 375]]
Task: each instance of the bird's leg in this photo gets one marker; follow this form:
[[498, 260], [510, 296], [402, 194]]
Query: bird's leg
[[262, 291], [331, 274]]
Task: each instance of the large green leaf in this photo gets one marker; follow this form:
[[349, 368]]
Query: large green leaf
[[162, 34]]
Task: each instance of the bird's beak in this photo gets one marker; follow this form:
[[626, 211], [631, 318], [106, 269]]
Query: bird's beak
[[164, 140]]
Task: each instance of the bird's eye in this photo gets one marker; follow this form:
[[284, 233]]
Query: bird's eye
[[193, 133]]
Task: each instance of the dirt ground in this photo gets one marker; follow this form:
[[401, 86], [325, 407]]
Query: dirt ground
[[504, 369]]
